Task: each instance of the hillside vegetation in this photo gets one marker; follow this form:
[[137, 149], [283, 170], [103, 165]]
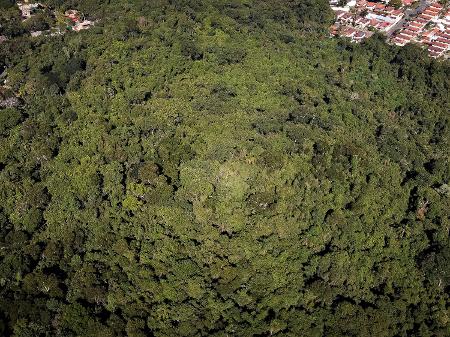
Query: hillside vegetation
[[222, 168]]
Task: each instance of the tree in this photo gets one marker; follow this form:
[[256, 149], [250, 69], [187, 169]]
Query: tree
[[396, 3], [221, 168]]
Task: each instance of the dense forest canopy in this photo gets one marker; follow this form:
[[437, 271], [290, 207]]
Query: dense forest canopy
[[221, 168]]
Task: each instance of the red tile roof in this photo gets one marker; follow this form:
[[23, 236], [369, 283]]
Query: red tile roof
[[421, 20], [440, 45], [443, 40], [426, 16], [408, 33], [416, 24], [436, 49], [404, 37], [434, 54], [437, 5], [430, 12], [412, 28]]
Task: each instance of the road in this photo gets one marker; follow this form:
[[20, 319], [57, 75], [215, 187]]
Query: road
[[408, 14]]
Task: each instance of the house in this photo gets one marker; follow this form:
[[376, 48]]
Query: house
[[396, 13], [434, 54], [86, 24], [346, 18], [381, 18], [73, 15], [433, 10], [3, 38], [359, 36], [361, 4], [409, 33], [339, 13], [445, 20], [421, 21], [444, 41], [425, 41], [349, 5], [440, 45], [432, 14], [399, 41], [371, 6], [354, 34], [407, 2], [384, 25], [437, 6], [428, 34], [334, 29], [404, 37], [362, 22], [413, 29], [380, 7], [349, 32], [417, 24], [27, 10], [436, 50], [427, 16]]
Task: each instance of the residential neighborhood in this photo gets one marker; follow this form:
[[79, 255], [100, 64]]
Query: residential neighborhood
[[54, 22], [29, 9], [77, 20], [423, 22]]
